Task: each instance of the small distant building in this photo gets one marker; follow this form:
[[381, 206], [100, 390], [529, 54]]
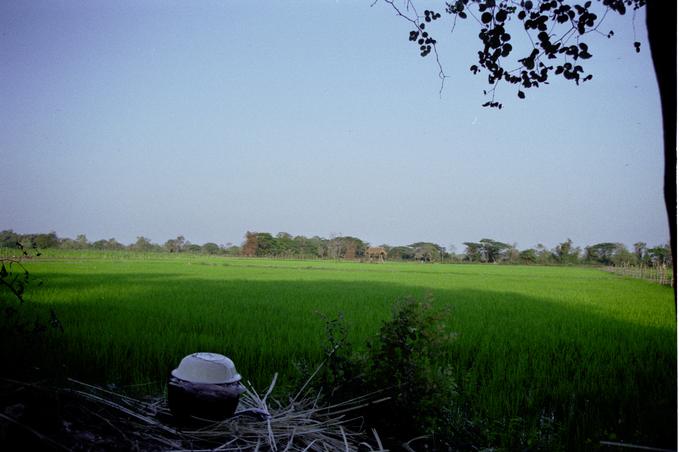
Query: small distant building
[[376, 254]]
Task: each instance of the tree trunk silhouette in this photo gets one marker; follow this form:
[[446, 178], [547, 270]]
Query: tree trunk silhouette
[[662, 37]]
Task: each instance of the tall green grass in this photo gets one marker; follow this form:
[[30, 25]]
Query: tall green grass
[[595, 351]]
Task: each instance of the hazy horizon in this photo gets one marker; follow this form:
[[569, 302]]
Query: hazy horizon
[[126, 119]]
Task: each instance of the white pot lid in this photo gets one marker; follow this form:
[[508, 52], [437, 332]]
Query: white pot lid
[[209, 368]]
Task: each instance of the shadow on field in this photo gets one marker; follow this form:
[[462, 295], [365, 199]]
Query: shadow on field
[[516, 356]]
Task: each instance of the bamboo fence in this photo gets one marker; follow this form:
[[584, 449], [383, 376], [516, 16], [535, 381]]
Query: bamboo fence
[[660, 274]]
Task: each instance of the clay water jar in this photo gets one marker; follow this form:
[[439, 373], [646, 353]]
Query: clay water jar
[[205, 386]]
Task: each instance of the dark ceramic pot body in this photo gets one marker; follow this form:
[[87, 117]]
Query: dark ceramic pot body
[[214, 402]]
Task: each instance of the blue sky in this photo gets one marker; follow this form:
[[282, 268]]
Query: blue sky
[[207, 119]]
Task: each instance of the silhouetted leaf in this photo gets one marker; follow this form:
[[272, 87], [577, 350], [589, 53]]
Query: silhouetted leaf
[[522, 95]]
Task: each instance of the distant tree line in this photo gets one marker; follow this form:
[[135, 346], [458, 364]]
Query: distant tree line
[[565, 253], [264, 244], [284, 245], [50, 240]]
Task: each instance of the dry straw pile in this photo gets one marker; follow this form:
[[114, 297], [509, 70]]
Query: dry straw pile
[[94, 418]]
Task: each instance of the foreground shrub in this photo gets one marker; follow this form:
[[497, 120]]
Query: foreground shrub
[[406, 361], [409, 357]]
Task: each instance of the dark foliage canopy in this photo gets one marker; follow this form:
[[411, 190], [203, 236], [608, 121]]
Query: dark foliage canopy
[[557, 32]]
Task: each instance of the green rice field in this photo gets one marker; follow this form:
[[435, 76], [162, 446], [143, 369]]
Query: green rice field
[[596, 352]]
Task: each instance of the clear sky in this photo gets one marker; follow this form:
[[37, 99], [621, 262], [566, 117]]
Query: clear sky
[[207, 119]]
